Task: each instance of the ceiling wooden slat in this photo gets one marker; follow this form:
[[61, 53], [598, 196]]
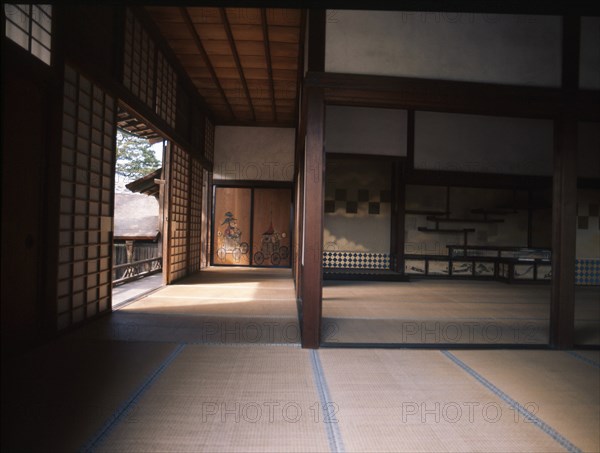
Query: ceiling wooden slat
[[236, 57], [192, 30], [265, 28]]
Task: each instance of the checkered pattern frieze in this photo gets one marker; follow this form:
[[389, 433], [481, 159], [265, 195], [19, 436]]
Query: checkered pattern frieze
[[358, 201], [356, 260], [587, 272]]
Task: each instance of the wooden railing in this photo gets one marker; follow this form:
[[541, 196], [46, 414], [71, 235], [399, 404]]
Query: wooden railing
[[123, 273]]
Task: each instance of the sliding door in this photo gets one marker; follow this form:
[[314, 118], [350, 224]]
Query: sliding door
[[251, 226]]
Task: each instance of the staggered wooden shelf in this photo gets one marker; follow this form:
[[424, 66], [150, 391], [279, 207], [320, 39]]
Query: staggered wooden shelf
[[425, 212], [462, 220], [446, 230]]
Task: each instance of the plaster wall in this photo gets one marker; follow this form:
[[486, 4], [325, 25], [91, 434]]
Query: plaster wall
[[492, 48], [254, 153], [483, 144]]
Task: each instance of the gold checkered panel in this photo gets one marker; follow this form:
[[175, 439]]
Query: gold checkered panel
[[86, 201]]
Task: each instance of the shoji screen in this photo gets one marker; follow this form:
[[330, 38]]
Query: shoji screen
[[178, 212], [86, 200], [195, 216]]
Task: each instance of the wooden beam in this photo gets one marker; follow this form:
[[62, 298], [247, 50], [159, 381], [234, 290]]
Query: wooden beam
[[300, 64], [265, 28], [236, 58], [213, 75], [316, 40], [450, 96], [398, 213], [314, 171]]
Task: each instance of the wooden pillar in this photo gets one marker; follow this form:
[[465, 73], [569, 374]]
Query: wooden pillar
[[312, 245], [564, 199], [564, 194], [397, 242]]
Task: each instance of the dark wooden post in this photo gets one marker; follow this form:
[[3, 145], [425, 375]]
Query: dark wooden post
[[564, 195], [397, 240], [314, 175], [564, 199]]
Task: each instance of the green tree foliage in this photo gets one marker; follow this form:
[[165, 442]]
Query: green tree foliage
[[135, 158]]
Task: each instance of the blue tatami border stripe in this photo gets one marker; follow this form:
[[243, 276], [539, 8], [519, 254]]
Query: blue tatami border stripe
[[336, 445], [584, 359], [562, 440], [125, 409]]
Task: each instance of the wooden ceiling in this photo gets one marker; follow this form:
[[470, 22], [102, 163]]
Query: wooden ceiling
[[243, 61]]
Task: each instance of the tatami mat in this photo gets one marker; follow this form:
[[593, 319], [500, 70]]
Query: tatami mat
[[226, 398], [217, 305], [564, 391], [129, 326], [406, 400], [449, 312], [55, 398], [225, 292], [207, 366]]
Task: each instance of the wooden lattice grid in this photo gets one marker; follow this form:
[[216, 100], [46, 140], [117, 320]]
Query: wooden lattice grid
[[86, 201]]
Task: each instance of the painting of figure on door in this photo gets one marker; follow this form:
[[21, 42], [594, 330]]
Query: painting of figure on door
[[231, 241], [232, 226], [271, 227], [252, 226]]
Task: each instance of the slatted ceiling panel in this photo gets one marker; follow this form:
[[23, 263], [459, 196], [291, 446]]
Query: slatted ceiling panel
[[284, 16], [175, 31], [202, 15], [253, 61], [284, 49], [247, 32], [290, 63], [222, 61], [284, 34], [183, 46], [243, 16], [289, 75], [261, 73], [217, 47], [251, 48], [209, 32]]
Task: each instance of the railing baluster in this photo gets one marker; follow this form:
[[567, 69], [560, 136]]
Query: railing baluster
[[137, 269]]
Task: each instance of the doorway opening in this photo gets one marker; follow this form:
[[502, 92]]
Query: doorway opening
[[138, 216]]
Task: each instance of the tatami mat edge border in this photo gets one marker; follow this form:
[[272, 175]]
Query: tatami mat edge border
[[584, 359], [130, 403], [336, 444], [562, 440]]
